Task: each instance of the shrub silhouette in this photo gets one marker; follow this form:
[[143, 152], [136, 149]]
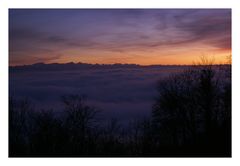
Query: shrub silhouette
[[49, 138], [20, 127], [79, 123], [41, 133]]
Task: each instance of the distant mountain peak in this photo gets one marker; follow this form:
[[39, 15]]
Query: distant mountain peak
[[39, 63]]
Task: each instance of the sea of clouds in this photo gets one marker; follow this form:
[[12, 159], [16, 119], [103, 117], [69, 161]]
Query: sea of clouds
[[120, 93]]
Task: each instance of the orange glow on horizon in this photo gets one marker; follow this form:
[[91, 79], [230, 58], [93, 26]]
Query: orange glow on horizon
[[178, 59], [183, 58]]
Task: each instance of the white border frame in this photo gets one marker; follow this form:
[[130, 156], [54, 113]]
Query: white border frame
[[6, 4]]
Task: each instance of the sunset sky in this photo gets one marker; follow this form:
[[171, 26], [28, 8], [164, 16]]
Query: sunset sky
[[107, 36]]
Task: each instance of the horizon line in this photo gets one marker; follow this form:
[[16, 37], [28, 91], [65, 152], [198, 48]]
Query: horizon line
[[141, 65]]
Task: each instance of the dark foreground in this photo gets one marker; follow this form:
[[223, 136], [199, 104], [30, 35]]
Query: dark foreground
[[191, 117]]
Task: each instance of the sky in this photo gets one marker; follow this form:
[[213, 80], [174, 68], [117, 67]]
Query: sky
[[108, 36]]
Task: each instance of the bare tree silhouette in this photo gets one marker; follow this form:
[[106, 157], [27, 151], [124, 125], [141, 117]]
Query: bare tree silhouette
[[189, 112]]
